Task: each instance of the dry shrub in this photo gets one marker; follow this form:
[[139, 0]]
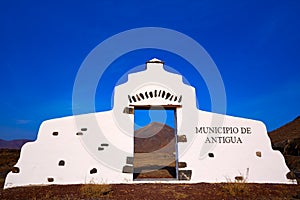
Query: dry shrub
[[95, 190], [236, 188]]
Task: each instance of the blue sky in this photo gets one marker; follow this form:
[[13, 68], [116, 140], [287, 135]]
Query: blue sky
[[255, 45], [144, 117]]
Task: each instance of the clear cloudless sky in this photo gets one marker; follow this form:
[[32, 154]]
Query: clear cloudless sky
[[144, 117], [255, 45]]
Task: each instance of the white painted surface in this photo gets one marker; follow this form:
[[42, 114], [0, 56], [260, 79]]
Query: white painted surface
[[39, 160]]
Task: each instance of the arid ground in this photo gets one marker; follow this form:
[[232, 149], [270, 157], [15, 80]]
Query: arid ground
[[155, 191]]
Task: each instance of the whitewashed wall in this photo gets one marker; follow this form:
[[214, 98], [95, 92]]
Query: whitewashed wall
[[104, 140]]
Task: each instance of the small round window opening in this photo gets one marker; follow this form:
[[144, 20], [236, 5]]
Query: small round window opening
[[50, 179], [55, 133], [61, 163], [79, 133], [258, 153], [93, 171]]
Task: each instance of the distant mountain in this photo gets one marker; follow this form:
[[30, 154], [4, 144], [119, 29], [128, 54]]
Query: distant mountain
[[13, 144], [154, 148], [154, 137]]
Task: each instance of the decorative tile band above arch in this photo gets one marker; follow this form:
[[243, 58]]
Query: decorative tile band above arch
[[150, 94]]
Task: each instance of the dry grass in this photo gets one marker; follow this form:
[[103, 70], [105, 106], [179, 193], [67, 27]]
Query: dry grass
[[154, 191], [236, 189], [95, 190]]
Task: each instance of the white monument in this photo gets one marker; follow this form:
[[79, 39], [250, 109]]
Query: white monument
[[99, 147]]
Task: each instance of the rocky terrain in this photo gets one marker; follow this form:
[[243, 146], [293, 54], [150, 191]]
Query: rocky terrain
[[286, 139]]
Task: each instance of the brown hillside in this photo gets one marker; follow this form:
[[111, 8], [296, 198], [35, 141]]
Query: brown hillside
[[286, 139], [153, 137], [289, 131], [8, 158]]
